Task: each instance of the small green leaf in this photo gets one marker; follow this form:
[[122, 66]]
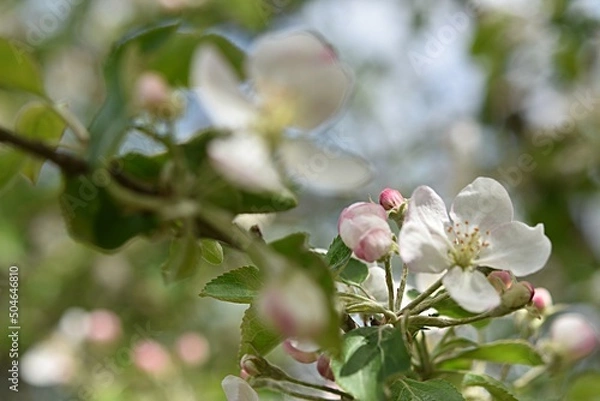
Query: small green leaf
[[212, 251], [338, 254], [516, 352], [184, 259], [370, 356], [239, 285], [496, 388], [18, 71], [354, 272], [431, 390], [257, 337], [452, 345], [11, 162], [38, 121], [585, 387]]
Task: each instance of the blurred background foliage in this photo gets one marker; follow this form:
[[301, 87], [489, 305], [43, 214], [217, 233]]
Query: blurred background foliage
[[445, 91]]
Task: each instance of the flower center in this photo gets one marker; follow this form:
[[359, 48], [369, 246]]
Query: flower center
[[467, 241]]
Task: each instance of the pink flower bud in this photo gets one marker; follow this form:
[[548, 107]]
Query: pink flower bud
[[192, 349], [573, 336], [324, 367], [151, 357], [363, 227], [251, 365], [104, 326], [391, 199], [541, 299], [292, 348], [501, 280]]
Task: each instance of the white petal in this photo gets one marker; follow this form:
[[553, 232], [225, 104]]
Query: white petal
[[483, 203], [517, 247], [471, 290], [302, 69], [237, 389], [218, 88], [375, 284], [245, 160], [423, 242], [322, 169]]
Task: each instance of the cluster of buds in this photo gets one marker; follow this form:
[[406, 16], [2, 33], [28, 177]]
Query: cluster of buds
[[513, 294]]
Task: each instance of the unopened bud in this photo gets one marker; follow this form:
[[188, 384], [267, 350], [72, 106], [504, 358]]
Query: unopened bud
[[324, 367], [541, 300], [251, 365], [153, 94], [501, 280], [572, 336], [518, 295], [364, 228], [391, 199], [292, 348]]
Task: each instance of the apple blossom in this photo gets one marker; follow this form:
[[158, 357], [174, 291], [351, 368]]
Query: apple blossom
[[237, 389], [478, 231], [298, 82], [541, 300], [364, 228], [573, 336]]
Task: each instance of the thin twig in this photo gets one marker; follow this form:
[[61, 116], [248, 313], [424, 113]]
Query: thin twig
[[401, 287]]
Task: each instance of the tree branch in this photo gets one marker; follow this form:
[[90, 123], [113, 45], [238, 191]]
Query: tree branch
[[70, 164]]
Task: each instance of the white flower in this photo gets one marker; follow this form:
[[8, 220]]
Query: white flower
[[237, 389], [479, 231], [298, 82]]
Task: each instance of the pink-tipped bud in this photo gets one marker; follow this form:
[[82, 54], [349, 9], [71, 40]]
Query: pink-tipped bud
[[573, 337], [391, 199], [363, 227], [292, 348], [502, 280], [518, 295], [541, 300], [324, 367]]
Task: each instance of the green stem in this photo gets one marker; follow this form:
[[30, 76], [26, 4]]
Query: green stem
[[319, 387], [72, 122], [443, 322], [424, 295], [401, 287], [427, 304], [426, 366], [389, 280]]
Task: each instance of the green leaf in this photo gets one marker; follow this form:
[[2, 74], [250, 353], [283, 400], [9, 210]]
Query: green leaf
[[452, 345], [496, 388], [516, 352], [95, 218], [370, 356], [354, 272], [257, 337], [449, 307], [239, 285], [338, 254], [110, 124], [212, 251], [38, 121], [11, 162], [431, 390], [585, 387], [174, 59], [184, 259], [18, 71]]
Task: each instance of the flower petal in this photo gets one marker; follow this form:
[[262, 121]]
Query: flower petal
[[218, 88], [305, 71], [483, 203], [517, 247], [245, 160], [423, 241], [237, 389], [321, 169], [352, 230], [471, 290]]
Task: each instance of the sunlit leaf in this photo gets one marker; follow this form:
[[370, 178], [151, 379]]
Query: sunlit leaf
[[504, 351], [184, 259], [18, 70], [496, 388], [257, 337], [212, 251], [431, 390], [239, 285]]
